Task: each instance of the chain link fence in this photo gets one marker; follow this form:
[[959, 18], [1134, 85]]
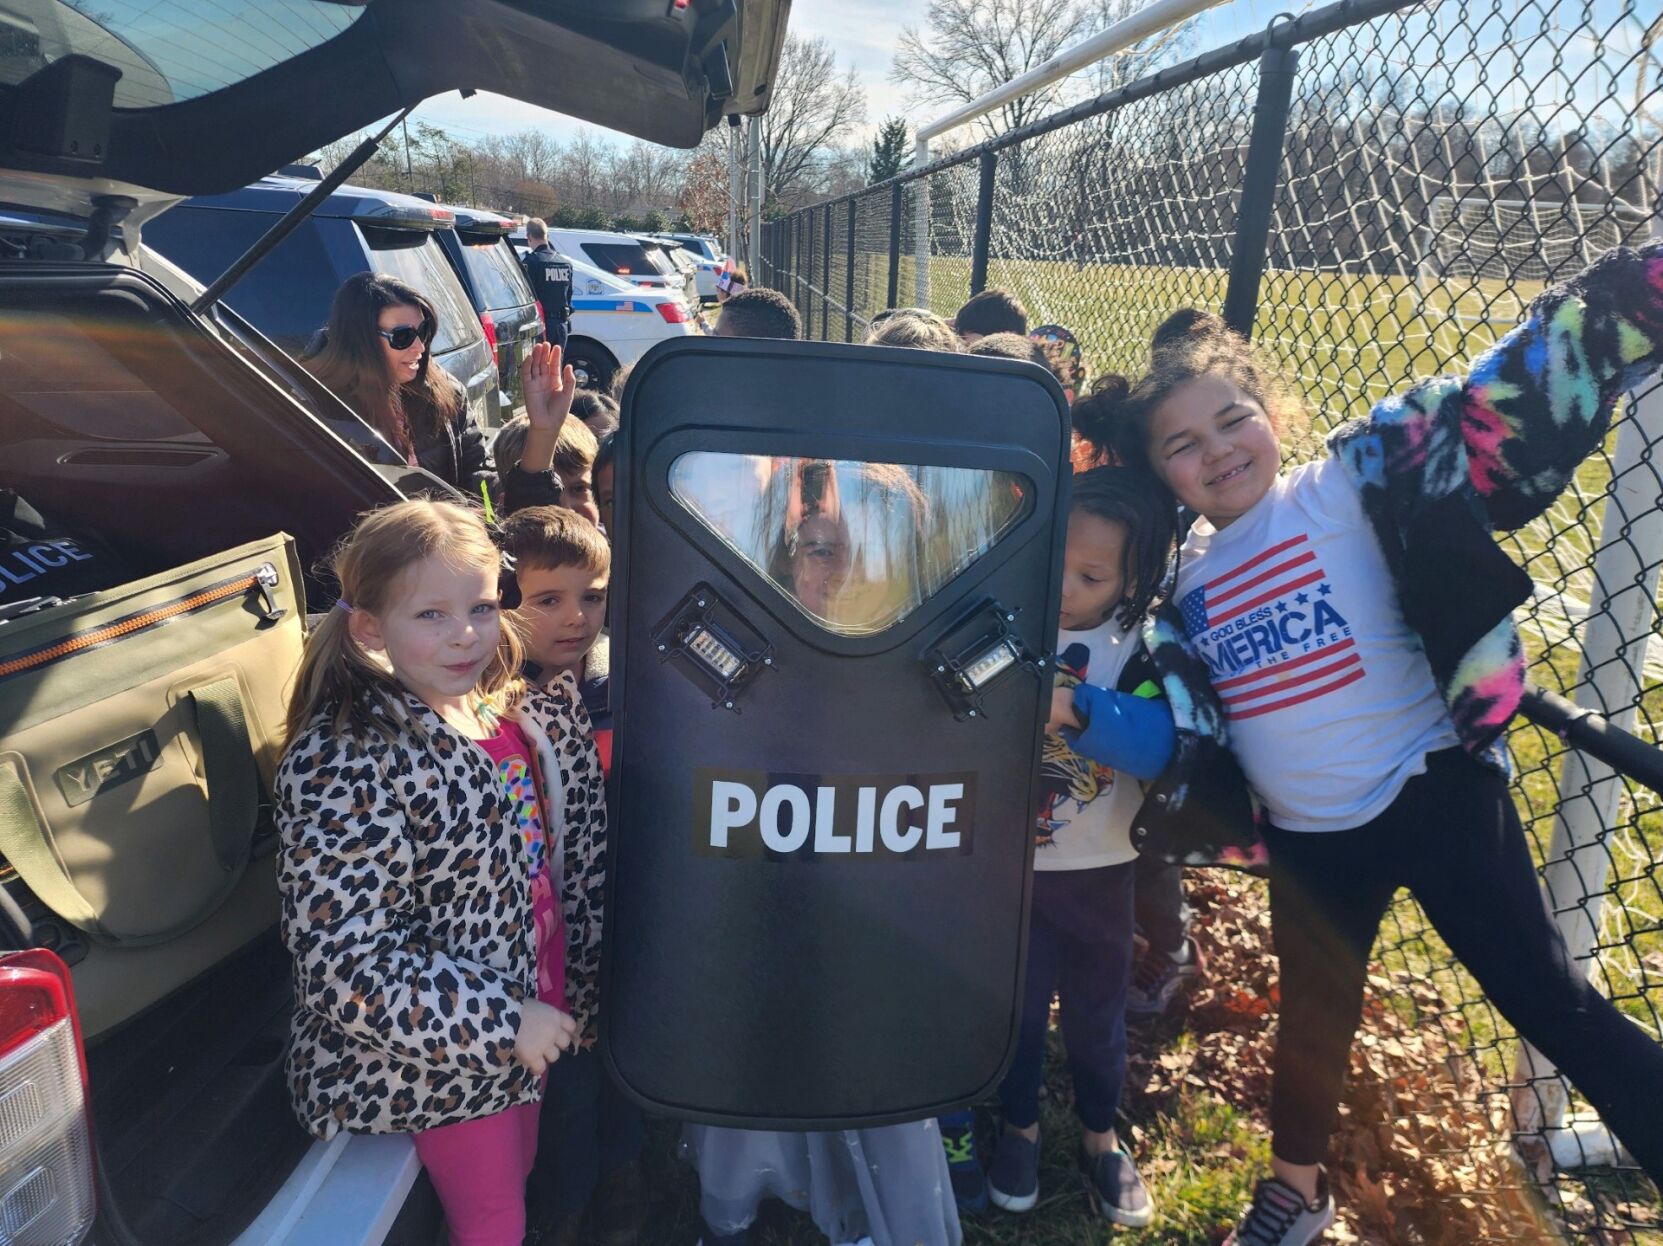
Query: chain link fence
[[1375, 191]]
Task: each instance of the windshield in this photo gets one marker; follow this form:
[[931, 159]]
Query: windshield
[[495, 272], [414, 256], [166, 52]]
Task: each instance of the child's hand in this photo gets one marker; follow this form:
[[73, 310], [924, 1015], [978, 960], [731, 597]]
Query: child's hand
[[549, 387], [1062, 711], [544, 1031]]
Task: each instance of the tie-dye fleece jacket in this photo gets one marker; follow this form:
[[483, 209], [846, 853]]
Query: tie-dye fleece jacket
[[1439, 468]]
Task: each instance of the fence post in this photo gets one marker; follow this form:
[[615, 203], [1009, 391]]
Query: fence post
[[807, 279], [921, 228], [1620, 621], [849, 276], [825, 279], [894, 245], [984, 224], [1260, 178]]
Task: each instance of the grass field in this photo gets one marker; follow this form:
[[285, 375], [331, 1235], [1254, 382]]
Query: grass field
[[1349, 340]]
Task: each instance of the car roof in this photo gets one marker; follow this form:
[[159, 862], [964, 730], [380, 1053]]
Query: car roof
[[166, 100], [279, 192]]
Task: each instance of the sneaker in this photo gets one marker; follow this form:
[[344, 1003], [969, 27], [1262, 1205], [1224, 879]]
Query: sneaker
[[1280, 1216], [618, 1211], [1013, 1177], [964, 1166], [1158, 981], [1114, 1189]]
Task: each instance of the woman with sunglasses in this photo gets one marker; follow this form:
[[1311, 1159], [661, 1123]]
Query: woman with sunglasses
[[375, 356]]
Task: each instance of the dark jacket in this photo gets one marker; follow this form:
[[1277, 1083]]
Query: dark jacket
[[1439, 469], [455, 452]]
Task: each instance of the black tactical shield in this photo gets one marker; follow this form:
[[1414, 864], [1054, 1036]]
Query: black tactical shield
[[834, 596]]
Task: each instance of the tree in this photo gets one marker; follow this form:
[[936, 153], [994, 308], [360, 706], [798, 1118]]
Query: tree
[[889, 151], [965, 48], [813, 109], [703, 201]]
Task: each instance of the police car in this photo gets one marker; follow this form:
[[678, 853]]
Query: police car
[[639, 261], [614, 322]]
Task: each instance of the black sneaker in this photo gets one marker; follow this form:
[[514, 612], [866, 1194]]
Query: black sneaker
[[964, 1166], [1114, 1189], [1158, 981], [1013, 1177], [1280, 1216]]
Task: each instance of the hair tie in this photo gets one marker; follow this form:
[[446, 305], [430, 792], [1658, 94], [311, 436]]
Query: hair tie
[[343, 604]]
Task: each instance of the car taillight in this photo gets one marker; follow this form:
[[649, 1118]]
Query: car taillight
[[490, 333], [673, 312], [46, 1173]]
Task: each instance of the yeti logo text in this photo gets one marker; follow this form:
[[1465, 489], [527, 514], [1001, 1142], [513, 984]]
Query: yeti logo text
[[754, 814]]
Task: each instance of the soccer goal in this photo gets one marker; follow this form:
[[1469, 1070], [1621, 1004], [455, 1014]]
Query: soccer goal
[[1489, 257]]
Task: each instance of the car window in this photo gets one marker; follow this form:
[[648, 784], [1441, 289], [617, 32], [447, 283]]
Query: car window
[[629, 258], [414, 256], [286, 295], [495, 272], [166, 52]]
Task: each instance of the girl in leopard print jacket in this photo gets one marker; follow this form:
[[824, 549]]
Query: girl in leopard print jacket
[[440, 865]]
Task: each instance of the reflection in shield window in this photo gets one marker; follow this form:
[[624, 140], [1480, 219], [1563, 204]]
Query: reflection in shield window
[[857, 546]]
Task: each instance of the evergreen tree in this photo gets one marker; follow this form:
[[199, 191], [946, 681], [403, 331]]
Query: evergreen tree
[[889, 151]]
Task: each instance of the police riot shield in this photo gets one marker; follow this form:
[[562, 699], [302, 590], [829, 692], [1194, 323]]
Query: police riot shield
[[835, 592]]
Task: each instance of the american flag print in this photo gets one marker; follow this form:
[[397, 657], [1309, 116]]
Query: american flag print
[[1271, 632]]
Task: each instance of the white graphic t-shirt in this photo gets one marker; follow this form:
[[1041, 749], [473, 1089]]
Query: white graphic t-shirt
[[1330, 700], [1086, 810]]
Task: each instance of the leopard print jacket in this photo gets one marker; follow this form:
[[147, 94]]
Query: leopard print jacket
[[407, 910]]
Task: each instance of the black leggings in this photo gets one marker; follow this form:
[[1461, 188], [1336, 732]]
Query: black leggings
[[1453, 838]]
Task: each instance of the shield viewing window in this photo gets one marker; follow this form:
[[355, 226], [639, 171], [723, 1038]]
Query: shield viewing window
[[856, 546]]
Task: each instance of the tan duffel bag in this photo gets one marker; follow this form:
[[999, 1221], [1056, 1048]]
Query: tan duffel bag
[[139, 728]]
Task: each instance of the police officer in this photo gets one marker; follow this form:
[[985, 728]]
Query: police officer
[[550, 275]]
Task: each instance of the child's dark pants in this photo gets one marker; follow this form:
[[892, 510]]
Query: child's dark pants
[[1453, 838], [1079, 949]]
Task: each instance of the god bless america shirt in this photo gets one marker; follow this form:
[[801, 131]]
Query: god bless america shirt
[[1329, 697]]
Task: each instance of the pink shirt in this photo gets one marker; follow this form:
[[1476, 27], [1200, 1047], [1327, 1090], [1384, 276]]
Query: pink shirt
[[516, 767]]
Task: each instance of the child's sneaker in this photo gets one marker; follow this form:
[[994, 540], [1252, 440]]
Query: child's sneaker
[[964, 1166], [1280, 1216], [1158, 980], [1013, 1177], [1115, 1190], [618, 1211]]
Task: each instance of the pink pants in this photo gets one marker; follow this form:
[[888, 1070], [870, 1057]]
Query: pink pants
[[479, 1168]]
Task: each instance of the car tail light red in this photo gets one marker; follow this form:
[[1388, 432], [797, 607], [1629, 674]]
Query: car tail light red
[[490, 333], [46, 1171], [673, 312]]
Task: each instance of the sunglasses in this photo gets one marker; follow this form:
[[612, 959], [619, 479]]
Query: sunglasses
[[406, 336]]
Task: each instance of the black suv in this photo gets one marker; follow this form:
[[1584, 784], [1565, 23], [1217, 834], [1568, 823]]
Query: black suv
[[286, 295], [479, 250]]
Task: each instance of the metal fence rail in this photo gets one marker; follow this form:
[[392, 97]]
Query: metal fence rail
[[1374, 192]]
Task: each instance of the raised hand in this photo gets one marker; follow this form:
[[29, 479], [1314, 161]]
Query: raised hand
[[550, 386]]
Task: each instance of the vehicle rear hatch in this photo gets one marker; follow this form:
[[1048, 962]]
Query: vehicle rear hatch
[[200, 104], [502, 297]]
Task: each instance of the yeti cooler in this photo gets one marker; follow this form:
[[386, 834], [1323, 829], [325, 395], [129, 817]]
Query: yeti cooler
[[835, 594]]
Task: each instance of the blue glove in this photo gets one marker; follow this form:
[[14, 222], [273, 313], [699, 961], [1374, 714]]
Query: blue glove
[[1128, 733]]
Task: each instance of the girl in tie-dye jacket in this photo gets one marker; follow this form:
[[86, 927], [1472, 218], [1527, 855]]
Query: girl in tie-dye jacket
[[1343, 633]]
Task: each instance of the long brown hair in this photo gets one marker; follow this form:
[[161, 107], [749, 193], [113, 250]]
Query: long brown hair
[[337, 676], [351, 362]]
